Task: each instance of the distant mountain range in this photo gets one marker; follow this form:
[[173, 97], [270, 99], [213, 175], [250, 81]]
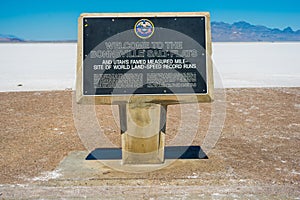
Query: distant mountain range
[[10, 38], [222, 32], [245, 32]]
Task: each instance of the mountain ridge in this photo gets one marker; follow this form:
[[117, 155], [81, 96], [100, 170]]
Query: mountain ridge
[[10, 38], [245, 32]]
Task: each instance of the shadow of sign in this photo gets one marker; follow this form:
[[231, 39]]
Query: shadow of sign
[[171, 152]]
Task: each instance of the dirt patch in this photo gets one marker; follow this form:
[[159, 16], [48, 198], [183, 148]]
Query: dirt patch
[[259, 143]]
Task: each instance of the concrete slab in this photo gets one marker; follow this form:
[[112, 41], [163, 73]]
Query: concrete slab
[[77, 168]]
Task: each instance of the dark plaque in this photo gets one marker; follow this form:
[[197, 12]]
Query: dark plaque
[[144, 55]]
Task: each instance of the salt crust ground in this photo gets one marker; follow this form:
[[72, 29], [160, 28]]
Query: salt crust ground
[[256, 157], [52, 66]]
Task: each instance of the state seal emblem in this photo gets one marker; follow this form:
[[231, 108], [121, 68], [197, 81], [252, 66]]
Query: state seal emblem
[[144, 28]]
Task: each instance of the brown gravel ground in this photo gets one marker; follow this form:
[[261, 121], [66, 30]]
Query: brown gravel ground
[[259, 144]]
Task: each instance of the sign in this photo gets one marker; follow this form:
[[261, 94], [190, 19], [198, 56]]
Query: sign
[[150, 54]]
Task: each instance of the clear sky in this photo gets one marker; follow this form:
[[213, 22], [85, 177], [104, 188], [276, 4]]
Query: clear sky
[[57, 19]]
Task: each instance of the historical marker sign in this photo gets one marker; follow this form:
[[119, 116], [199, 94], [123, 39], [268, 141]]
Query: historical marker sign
[[144, 62], [150, 54]]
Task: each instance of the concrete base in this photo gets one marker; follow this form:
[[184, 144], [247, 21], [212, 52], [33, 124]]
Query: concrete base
[[76, 167], [80, 166]]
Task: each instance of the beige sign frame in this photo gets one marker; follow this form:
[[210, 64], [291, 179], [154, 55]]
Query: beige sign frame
[[160, 98]]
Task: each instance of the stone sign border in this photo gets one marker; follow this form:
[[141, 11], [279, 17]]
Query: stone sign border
[[166, 99]]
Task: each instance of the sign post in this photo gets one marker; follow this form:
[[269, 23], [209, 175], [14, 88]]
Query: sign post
[[144, 62]]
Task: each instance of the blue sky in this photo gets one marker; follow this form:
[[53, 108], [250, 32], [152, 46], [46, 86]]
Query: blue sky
[[57, 19]]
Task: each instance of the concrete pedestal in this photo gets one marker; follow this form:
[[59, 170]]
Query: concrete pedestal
[[143, 128]]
